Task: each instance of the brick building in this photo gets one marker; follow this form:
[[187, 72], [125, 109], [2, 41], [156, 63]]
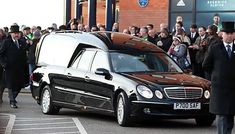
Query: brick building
[[130, 12]]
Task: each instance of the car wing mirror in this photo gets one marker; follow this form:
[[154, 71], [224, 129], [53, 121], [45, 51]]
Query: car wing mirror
[[104, 72]]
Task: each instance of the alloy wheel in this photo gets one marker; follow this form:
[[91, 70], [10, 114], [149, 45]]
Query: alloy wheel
[[120, 110], [46, 101]]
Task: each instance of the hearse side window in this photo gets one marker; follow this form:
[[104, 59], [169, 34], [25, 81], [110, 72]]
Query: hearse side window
[[77, 59], [86, 60], [100, 61]]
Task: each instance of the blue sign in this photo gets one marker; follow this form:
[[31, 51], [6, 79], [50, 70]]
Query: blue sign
[[215, 5], [143, 3]]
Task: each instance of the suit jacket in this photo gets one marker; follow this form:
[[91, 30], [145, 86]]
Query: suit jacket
[[192, 52], [194, 38], [14, 61], [200, 53], [222, 72]]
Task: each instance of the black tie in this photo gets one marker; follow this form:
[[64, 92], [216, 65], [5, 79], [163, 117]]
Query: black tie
[[17, 44], [229, 50]]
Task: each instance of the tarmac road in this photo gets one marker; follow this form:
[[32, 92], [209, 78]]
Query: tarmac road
[[28, 119]]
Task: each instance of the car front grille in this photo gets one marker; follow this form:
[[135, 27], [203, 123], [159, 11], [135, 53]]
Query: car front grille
[[183, 92]]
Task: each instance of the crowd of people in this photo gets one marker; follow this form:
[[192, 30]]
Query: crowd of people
[[197, 51]]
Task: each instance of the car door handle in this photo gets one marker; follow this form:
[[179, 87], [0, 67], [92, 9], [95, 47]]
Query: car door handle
[[87, 78], [69, 75]]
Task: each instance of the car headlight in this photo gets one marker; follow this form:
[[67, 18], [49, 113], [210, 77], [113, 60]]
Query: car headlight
[[158, 94], [145, 91], [207, 94]]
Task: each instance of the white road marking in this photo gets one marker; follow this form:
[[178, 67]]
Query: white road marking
[[79, 126], [56, 123], [13, 119], [38, 119], [65, 133], [23, 129], [10, 123]]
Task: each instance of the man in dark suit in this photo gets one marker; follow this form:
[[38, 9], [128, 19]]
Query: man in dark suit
[[193, 33], [13, 60], [192, 52], [220, 62]]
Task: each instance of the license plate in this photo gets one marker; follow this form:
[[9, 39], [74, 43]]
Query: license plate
[[188, 106]]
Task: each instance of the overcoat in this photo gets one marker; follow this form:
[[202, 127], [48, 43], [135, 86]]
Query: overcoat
[[221, 67], [14, 62]]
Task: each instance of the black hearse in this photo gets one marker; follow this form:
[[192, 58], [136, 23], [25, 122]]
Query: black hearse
[[117, 74]]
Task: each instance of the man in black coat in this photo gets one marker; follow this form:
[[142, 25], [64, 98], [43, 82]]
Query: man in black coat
[[220, 62], [13, 60]]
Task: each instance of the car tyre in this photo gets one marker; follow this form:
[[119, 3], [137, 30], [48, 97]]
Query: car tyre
[[123, 110], [205, 120], [47, 106]]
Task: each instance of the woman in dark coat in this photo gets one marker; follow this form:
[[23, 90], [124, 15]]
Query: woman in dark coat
[[164, 40]]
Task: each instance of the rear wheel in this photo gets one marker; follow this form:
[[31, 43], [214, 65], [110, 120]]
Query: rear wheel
[[123, 110], [205, 120], [46, 102]]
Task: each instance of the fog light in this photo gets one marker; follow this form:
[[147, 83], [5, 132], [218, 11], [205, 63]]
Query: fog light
[[207, 94], [158, 94], [147, 110]]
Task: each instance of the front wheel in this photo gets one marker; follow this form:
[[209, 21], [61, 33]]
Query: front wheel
[[46, 102], [205, 120], [123, 110]]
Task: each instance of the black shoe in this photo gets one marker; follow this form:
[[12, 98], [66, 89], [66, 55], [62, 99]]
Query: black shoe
[[1, 101], [13, 105]]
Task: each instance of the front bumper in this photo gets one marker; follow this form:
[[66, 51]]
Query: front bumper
[[166, 110]]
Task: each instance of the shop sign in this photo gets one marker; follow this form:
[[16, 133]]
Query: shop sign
[[181, 5], [215, 5]]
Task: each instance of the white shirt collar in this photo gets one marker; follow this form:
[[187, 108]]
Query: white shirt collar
[[14, 40], [193, 34], [203, 37], [231, 45]]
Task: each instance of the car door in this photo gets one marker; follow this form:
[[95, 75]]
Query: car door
[[100, 89], [71, 90]]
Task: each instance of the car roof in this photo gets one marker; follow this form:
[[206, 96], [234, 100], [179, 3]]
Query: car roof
[[120, 41], [111, 41], [82, 38]]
